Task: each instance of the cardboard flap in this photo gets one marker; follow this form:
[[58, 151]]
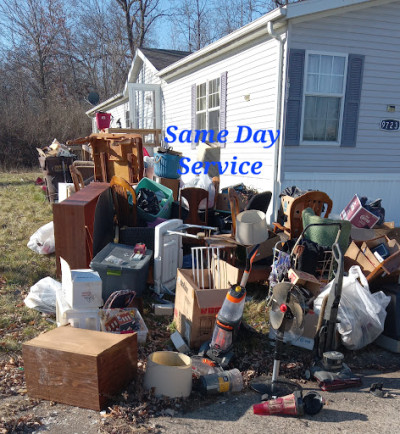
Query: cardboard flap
[[210, 297]]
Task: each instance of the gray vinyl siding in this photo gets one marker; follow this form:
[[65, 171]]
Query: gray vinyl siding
[[375, 33]]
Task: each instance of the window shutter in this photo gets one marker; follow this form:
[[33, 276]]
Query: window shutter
[[352, 99], [222, 103], [193, 115], [295, 97]]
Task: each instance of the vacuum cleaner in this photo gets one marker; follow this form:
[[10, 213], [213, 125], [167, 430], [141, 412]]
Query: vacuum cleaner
[[329, 369], [220, 349]]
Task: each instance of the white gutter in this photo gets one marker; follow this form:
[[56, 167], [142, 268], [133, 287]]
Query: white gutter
[[109, 101], [278, 120], [237, 38]]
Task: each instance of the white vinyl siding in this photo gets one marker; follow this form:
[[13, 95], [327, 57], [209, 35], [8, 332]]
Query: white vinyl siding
[[251, 71], [375, 33]]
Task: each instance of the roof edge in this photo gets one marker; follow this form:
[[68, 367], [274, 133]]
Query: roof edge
[[107, 102]]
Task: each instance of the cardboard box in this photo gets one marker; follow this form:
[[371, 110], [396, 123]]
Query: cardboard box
[[360, 253], [306, 340], [358, 215], [173, 184], [305, 280], [196, 309], [79, 367], [223, 203], [266, 248], [81, 288]]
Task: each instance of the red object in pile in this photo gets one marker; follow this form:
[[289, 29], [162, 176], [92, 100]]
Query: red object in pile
[[103, 120]]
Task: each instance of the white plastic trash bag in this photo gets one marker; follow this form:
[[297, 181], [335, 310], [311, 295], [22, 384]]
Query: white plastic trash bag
[[205, 182], [361, 314], [42, 295], [42, 241]]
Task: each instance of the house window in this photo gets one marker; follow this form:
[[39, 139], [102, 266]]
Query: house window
[[208, 107], [324, 92]]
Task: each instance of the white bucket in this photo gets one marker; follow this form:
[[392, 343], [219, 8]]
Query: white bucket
[[169, 373], [251, 227]]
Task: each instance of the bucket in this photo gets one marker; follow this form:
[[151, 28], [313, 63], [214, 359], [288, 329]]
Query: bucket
[[251, 227], [103, 120], [166, 165], [169, 373]]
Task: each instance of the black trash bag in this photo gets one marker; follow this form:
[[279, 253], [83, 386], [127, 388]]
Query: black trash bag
[[375, 207], [147, 201]]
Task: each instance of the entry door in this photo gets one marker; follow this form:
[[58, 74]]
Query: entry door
[[144, 105]]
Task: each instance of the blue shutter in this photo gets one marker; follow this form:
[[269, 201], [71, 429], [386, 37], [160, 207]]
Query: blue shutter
[[193, 115], [352, 99], [222, 103], [295, 96]]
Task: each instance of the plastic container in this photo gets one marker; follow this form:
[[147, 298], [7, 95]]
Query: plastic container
[[225, 381], [166, 165], [118, 271], [169, 373], [165, 211], [141, 333], [103, 120], [232, 307]]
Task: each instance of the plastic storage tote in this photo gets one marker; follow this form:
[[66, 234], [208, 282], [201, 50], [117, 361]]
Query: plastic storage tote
[[167, 165], [118, 271], [165, 210]]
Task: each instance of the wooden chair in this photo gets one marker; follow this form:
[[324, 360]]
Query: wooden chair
[[194, 196], [126, 212], [77, 177], [235, 208], [312, 199], [215, 181]]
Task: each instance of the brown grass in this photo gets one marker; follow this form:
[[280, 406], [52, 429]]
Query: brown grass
[[23, 209]]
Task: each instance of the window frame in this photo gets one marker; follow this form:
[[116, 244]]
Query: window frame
[[305, 94], [207, 110]]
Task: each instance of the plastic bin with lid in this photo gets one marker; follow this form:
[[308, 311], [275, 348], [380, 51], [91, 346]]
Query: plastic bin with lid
[[118, 270]]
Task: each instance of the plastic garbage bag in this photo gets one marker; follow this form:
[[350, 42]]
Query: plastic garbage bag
[[361, 314], [147, 200], [42, 241], [42, 295], [205, 182]]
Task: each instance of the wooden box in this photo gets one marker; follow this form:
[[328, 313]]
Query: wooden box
[[79, 367]]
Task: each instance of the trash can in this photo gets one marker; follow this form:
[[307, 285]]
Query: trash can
[[118, 270], [55, 170]]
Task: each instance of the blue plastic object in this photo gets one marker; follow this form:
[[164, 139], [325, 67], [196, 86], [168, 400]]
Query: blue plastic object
[[167, 165]]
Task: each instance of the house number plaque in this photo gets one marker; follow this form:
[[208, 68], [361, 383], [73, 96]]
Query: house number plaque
[[390, 124]]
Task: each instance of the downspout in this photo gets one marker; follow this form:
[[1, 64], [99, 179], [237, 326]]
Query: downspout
[[278, 151]]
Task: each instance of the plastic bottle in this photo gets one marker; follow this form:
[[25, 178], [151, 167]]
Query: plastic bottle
[[225, 381]]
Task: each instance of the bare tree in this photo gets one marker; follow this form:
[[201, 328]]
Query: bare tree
[[140, 16]]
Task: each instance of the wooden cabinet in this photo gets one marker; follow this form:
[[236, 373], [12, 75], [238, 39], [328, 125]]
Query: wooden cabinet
[[73, 221]]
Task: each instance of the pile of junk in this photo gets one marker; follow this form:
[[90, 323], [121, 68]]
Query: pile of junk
[[132, 239]]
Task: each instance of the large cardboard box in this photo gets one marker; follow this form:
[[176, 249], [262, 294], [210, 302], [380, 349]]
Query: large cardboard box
[[82, 289], [196, 309], [358, 215], [305, 280], [79, 367]]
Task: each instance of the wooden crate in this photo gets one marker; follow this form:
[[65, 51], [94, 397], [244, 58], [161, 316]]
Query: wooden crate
[[79, 367]]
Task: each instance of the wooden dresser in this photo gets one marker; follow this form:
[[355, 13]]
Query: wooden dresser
[[73, 221]]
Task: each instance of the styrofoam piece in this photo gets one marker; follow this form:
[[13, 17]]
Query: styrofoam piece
[[163, 309], [179, 343], [168, 255], [82, 289], [169, 373], [88, 319]]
